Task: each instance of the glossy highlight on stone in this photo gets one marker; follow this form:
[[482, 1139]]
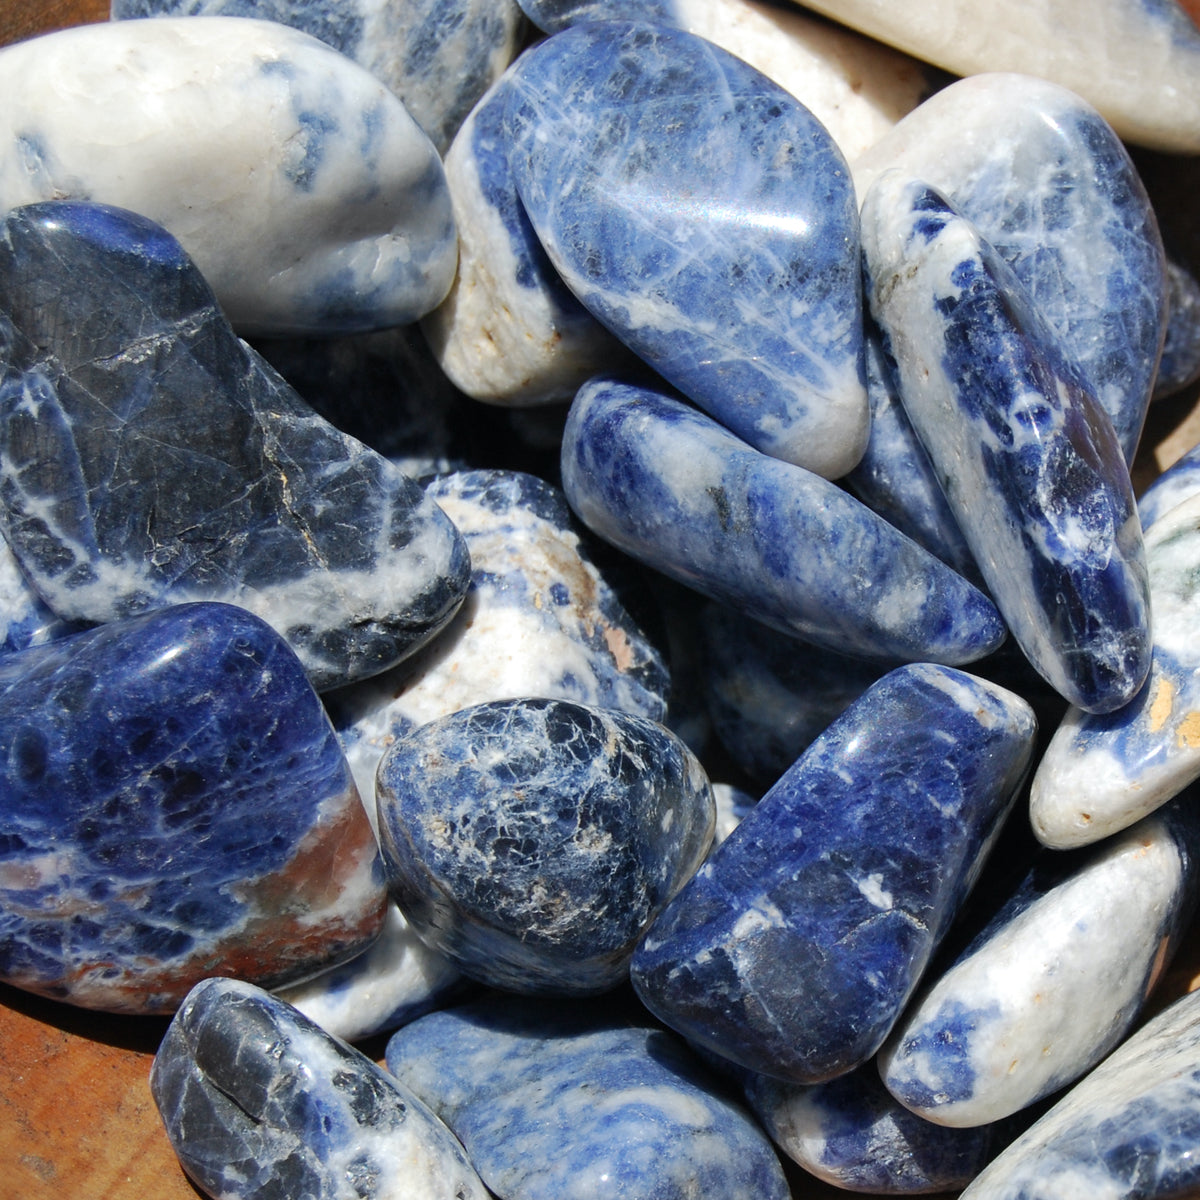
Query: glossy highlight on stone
[[794, 949], [175, 805], [705, 216]]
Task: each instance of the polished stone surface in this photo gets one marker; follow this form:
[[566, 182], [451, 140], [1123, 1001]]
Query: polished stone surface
[[532, 841], [25, 619], [794, 949], [1179, 366], [1054, 982], [261, 1104], [706, 217], [308, 197], [151, 458], [582, 1102], [175, 804], [1028, 461], [675, 490], [1179, 482]]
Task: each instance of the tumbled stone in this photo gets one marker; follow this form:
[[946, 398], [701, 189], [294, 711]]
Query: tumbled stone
[[532, 841], [261, 1104], [1179, 482], [705, 216], [675, 490], [308, 197], [1055, 980], [1179, 366], [1027, 459], [175, 805], [147, 457], [582, 1103], [793, 950]]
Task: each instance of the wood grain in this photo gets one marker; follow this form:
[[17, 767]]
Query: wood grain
[[21, 19]]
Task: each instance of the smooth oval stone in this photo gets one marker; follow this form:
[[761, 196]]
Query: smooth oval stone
[[308, 197], [147, 458], [1179, 366], [437, 56], [532, 841], [1138, 61], [1128, 1129], [793, 950], [1179, 482], [175, 804], [1101, 773], [1047, 183], [1055, 981], [582, 1103], [261, 1104], [676, 491], [1028, 461], [540, 619], [705, 216]]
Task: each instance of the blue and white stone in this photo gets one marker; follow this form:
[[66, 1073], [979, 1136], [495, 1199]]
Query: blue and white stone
[[540, 619], [258, 1103], [1027, 459], [437, 56], [1179, 366], [1048, 184], [794, 949], [148, 458], [1129, 1129], [1137, 61], [1053, 983], [309, 198], [509, 331], [851, 1133], [25, 619], [1179, 482], [582, 1103], [1101, 773], [175, 804], [705, 216], [675, 490], [857, 88], [533, 841], [733, 803]]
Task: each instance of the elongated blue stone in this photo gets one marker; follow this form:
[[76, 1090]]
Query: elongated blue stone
[[706, 217], [148, 458], [261, 1104], [532, 841], [1026, 458], [175, 804], [793, 950], [582, 1103], [675, 490]]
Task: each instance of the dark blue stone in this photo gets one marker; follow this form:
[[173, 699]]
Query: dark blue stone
[[793, 950]]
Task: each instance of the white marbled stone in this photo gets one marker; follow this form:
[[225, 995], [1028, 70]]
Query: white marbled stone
[[308, 197]]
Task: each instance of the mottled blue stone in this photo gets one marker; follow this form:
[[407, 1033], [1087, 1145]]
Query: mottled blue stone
[[706, 217], [1179, 366], [25, 618], [582, 1103], [175, 804], [793, 950], [1028, 461], [147, 457], [552, 16], [675, 490], [532, 841], [1179, 482], [438, 56], [261, 1104]]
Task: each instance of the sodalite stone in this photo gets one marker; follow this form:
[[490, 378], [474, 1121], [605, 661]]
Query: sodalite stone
[[1028, 461], [793, 950], [175, 804], [1055, 980], [261, 1104], [1048, 184], [582, 1104], [706, 217], [309, 198], [147, 457], [540, 619], [437, 56], [1128, 1129], [25, 619], [1179, 366], [532, 841], [1138, 61], [675, 490], [1179, 482], [1101, 773]]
